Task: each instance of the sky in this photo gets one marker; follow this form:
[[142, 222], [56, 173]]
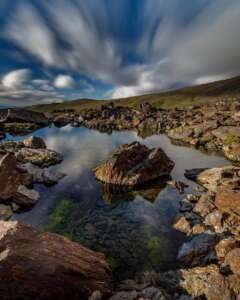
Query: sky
[[60, 50]]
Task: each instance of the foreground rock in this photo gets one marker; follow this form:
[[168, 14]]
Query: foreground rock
[[134, 164], [44, 266]]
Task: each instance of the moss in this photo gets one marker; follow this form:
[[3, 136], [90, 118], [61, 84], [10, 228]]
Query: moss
[[230, 139], [60, 220], [153, 247]]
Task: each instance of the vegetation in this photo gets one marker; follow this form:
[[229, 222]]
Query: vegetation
[[224, 89]]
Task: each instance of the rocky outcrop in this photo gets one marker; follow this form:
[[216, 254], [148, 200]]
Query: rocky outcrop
[[22, 115], [45, 266], [134, 164]]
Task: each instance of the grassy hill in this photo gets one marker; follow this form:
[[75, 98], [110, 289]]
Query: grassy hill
[[228, 89]]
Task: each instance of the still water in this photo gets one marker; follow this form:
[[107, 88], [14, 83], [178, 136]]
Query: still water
[[133, 229]]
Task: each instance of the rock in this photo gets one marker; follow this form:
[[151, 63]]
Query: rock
[[22, 115], [40, 157], [198, 228], [232, 152], [134, 164], [45, 176], [10, 177], [182, 133], [97, 295], [204, 205], [225, 246], [5, 212], [228, 201], [125, 295], [193, 173], [45, 266], [211, 179], [205, 281], [214, 219], [182, 224], [25, 197], [180, 186], [196, 250], [233, 260], [234, 284], [34, 143], [152, 293], [61, 121]]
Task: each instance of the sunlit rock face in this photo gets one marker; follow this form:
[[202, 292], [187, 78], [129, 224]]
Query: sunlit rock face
[[134, 164]]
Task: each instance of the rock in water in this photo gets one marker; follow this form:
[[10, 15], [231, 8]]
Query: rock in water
[[134, 164], [34, 142], [45, 266]]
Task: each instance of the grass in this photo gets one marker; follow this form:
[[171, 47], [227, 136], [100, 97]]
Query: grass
[[228, 89]]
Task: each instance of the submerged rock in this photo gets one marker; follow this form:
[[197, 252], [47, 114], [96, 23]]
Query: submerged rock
[[134, 164], [46, 266]]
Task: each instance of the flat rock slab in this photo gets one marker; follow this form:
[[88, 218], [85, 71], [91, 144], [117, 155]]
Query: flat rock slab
[[44, 266]]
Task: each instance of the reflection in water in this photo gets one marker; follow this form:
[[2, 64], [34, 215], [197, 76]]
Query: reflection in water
[[133, 228]]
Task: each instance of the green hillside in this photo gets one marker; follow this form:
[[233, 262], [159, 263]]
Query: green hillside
[[228, 89]]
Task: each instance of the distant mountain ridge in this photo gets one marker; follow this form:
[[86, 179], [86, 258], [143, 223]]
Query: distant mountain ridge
[[228, 89]]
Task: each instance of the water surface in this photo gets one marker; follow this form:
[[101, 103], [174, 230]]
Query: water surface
[[133, 228]]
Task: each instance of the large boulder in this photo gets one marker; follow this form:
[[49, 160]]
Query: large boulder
[[228, 201], [45, 266], [134, 164], [34, 142], [232, 152]]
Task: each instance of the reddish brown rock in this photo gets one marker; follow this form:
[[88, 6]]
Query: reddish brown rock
[[10, 177], [204, 205], [225, 246], [182, 224], [134, 164], [233, 260], [44, 266], [228, 201], [206, 281]]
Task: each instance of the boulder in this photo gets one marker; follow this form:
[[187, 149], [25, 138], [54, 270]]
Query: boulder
[[10, 177], [232, 152], [134, 164], [205, 205], [25, 197], [34, 143], [5, 212], [225, 246], [40, 157], [182, 224], [45, 266], [197, 249], [61, 121], [206, 281]]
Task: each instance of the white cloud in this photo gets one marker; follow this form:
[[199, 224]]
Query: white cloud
[[16, 79], [64, 82]]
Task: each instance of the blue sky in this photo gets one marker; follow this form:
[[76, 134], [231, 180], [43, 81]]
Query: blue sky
[[58, 50]]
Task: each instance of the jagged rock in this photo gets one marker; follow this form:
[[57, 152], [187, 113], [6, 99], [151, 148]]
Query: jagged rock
[[45, 266], [134, 164], [206, 281], [10, 177], [193, 173], [25, 197], [45, 176], [40, 157], [225, 246], [232, 152], [204, 205], [214, 219], [196, 250], [5, 212], [34, 143], [233, 260], [182, 224]]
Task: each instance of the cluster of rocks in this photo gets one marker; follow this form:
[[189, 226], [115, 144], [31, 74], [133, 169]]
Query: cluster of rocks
[[23, 163], [211, 258], [213, 127], [19, 121]]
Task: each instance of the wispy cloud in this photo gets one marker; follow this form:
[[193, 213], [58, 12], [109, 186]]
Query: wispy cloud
[[148, 47]]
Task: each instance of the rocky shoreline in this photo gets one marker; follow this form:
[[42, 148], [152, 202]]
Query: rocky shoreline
[[210, 259]]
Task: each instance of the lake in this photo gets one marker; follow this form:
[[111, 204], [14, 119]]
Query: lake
[[132, 228]]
